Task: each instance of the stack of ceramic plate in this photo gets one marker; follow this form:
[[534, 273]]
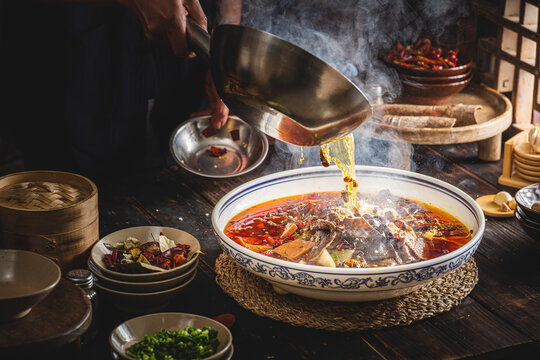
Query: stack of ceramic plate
[[526, 162], [147, 292], [134, 330], [526, 212]]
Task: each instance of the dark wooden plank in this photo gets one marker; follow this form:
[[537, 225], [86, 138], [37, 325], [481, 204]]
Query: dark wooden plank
[[466, 156], [506, 257], [170, 203], [116, 210], [526, 351], [466, 330]]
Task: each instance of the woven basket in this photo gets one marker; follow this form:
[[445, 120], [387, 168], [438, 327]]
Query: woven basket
[[49, 212]]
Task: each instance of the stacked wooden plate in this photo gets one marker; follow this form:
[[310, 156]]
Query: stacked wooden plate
[[146, 292], [526, 162]]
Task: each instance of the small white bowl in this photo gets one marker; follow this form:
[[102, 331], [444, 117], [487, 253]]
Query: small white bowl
[[141, 287], [147, 302], [26, 278], [134, 330], [345, 284], [144, 234]]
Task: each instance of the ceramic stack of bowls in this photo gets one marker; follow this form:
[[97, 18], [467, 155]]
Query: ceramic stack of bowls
[[147, 292], [526, 212], [433, 87], [526, 162]]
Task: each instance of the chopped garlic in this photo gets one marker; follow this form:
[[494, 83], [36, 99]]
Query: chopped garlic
[[503, 199]]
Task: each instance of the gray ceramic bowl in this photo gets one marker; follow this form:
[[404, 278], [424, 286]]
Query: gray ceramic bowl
[[134, 330], [144, 234], [141, 287], [140, 303], [190, 144], [526, 197], [26, 278]]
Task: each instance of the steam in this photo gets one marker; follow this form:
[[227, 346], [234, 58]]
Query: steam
[[352, 36]]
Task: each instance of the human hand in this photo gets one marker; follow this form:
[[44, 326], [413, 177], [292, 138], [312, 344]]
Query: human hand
[[216, 107], [165, 20]]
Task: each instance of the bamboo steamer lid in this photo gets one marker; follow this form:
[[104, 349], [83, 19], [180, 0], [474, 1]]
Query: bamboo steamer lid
[[50, 212]]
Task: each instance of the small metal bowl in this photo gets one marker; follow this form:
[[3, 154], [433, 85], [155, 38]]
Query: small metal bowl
[[190, 147]]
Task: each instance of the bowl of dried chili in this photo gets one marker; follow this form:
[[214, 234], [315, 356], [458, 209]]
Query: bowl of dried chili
[[422, 59]]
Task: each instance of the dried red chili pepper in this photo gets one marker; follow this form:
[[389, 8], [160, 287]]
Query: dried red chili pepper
[[235, 134], [209, 131], [215, 151], [421, 55]]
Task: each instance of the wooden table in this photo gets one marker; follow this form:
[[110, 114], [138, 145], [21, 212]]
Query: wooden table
[[500, 319]]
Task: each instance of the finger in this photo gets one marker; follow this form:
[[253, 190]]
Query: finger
[[220, 116], [176, 32], [196, 12]]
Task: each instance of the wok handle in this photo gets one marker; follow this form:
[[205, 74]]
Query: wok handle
[[198, 39]]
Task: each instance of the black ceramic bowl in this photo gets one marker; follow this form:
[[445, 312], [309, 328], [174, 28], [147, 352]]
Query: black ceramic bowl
[[525, 198], [530, 228]]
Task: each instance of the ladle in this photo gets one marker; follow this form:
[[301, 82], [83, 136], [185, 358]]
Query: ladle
[[279, 88]]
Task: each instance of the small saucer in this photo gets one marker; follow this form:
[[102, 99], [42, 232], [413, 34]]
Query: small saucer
[[534, 179], [526, 171], [526, 161], [489, 207], [521, 164], [524, 150]]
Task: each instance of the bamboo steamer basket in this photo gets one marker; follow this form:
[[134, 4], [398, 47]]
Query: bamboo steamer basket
[[50, 212]]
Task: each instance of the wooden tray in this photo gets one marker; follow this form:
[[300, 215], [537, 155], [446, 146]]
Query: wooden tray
[[59, 319], [494, 117]]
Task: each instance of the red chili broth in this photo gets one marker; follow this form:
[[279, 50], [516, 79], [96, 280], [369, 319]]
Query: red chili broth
[[237, 228]]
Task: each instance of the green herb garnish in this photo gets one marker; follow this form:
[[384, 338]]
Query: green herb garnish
[[188, 343]]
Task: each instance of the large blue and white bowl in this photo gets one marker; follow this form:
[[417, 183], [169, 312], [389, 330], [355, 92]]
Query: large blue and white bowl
[[340, 284]]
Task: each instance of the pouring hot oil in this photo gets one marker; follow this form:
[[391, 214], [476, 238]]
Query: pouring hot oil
[[341, 153]]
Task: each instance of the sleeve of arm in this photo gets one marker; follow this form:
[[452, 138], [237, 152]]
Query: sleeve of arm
[[229, 11]]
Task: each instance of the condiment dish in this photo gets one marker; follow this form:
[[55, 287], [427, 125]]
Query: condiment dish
[[144, 234], [134, 330]]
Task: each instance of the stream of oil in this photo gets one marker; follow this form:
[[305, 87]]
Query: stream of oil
[[341, 153]]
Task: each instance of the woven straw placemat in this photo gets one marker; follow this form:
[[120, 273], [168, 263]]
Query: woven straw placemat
[[258, 296]]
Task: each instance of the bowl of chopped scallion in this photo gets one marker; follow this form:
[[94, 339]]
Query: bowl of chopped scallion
[[171, 336]]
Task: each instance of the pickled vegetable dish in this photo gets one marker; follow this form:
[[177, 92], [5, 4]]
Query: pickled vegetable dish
[[317, 228], [132, 256]]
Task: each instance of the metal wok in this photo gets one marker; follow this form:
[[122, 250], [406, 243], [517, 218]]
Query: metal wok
[[279, 88]]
